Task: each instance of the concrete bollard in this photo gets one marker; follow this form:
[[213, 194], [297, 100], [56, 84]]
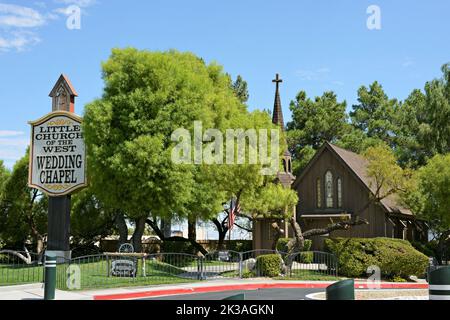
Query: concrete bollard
[[342, 290], [50, 277], [439, 284], [236, 297]]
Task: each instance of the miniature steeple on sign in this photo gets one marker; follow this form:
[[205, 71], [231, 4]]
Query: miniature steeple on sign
[[58, 152], [63, 95]]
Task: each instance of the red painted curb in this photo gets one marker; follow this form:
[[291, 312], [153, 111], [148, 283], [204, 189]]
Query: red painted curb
[[256, 286]]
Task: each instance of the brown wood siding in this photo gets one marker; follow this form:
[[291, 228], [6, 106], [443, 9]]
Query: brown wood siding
[[354, 198]]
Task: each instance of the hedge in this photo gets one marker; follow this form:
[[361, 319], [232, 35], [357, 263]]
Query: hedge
[[394, 257], [305, 257], [268, 265], [282, 244]]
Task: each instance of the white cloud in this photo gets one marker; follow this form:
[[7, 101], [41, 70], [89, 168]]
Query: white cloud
[[18, 23], [79, 3], [13, 145], [407, 62], [20, 17], [338, 83], [18, 40], [40, 4], [10, 133], [14, 142], [313, 75]]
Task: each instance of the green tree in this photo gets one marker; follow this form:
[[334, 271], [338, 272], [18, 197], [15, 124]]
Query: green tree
[[23, 210], [147, 96], [313, 123], [357, 141], [412, 131], [4, 174], [239, 86], [90, 220], [430, 198], [374, 115], [423, 122], [245, 182]]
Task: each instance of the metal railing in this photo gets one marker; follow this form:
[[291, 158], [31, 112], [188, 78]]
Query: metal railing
[[20, 267], [110, 270]]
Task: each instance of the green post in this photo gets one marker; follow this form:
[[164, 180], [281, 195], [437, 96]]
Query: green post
[[236, 297], [439, 284], [50, 277], [342, 290]]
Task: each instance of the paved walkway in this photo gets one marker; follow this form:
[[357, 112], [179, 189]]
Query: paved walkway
[[36, 291]]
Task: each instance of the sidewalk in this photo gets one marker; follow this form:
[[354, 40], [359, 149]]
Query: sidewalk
[[36, 291]]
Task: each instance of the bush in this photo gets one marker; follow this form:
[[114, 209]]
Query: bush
[[268, 265], [177, 247], [428, 249], [240, 245], [282, 244], [306, 257], [394, 257]]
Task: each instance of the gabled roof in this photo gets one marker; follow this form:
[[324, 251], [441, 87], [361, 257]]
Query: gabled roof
[[357, 164], [65, 80]]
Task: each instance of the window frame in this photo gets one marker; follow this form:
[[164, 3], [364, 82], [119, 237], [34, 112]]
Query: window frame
[[339, 192], [319, 194], [327, 206]]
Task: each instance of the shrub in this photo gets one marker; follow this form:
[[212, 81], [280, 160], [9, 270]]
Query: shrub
[[306, 257], [177, 247], [398, 279], [282, 244], [394, 257], [268, 265], [240, 245], [429, 249]]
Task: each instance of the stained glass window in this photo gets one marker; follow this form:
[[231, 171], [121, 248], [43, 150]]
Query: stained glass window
[[319, 193], [329, 189], [339, 192]]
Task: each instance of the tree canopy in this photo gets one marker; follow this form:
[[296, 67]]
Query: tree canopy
[[147, 97]]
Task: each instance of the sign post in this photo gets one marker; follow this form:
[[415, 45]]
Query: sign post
[[58, 163]]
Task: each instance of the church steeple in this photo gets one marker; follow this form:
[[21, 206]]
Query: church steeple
[[284, 176], [277, 116]]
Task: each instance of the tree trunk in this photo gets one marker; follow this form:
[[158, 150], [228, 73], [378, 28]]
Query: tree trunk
[[222, 229], [442, 246], [122, 228], [166, 227], [38, 238], [277, 234], [138, 233], [192, 230], [39, 244], [159, 233]]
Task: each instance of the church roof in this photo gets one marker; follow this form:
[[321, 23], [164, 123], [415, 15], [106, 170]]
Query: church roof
[[358, 165], [65, 80]]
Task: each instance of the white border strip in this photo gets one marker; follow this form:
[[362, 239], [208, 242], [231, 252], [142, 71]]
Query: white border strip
[[438, 297], [439, 287]]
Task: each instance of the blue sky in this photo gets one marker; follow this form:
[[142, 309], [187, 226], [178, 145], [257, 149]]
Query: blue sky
[[315, 45]]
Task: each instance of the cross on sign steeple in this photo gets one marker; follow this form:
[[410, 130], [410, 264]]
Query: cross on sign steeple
[[277, 116]]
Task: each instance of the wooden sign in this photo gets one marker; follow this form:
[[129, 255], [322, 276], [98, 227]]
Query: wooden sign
[[57, 154]]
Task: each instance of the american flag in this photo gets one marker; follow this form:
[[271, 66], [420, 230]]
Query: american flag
[[235, 208]]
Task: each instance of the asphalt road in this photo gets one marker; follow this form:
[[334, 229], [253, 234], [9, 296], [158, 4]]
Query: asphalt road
[[261, 294]]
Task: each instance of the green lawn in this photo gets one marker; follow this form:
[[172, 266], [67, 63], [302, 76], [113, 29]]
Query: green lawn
[[94, 274], [306, 275], [20, 275], [309, 275]]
